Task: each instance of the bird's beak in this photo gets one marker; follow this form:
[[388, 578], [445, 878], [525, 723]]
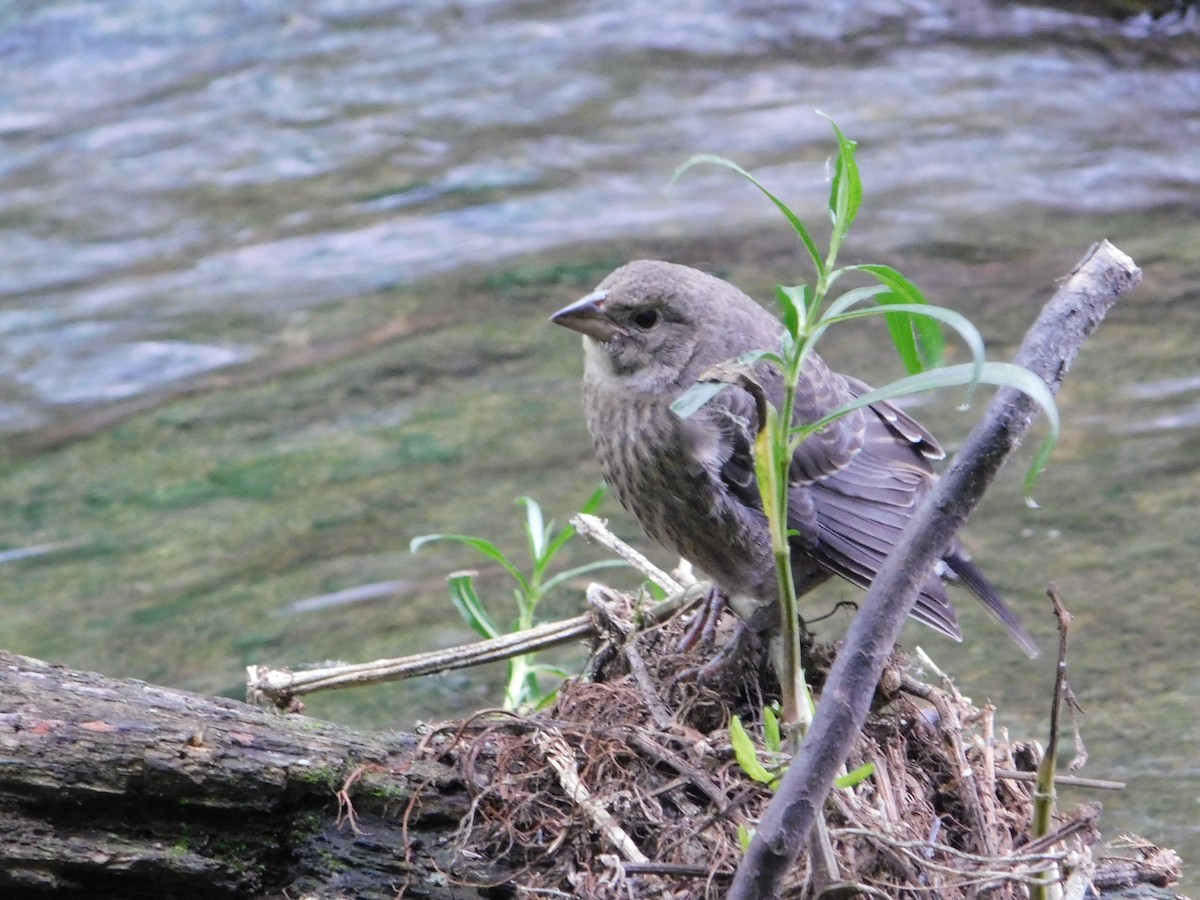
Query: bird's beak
[[587, 316]]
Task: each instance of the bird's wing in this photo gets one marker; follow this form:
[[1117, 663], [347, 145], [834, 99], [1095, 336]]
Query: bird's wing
[[733, 417], [910, 446], [862, 507], [901, 423], [831, 449], [820, 391], [854, 484]]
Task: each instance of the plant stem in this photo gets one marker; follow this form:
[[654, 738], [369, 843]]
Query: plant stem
[[800, 710]]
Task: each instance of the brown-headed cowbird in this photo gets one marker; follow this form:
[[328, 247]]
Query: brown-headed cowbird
[[650, 329]]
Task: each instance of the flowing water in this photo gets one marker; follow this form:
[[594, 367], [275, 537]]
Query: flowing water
[[190, 191]]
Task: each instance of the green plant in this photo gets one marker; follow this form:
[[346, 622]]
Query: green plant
[[807, 311], [747, 756], [746, 753], [522, 689]]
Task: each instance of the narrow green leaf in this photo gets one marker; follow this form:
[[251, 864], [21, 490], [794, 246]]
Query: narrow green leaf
[[930, 343], [1038, 466], [535, 528], [695, 397], [771, 486], [531, 689], [857, 776], [845, 194], [745, 836], [904, 338], [575, 572], [539, 703], [555, 544], [746, 755], [656, 593], [787, 345], [771, 734], [793, 307], [752, 357], [592, 503], [997, 373], [956, 320], [546, 669], [700, 393], [469, 606], [486, 548], [793, 219], [853, 297]]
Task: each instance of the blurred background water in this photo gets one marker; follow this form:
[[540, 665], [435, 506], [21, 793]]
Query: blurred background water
[[274, 280]]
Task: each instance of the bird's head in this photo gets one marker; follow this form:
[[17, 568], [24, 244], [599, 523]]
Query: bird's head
[[648, 324]]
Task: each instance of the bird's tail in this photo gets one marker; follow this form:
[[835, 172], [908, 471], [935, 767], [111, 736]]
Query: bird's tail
[[961, 565]]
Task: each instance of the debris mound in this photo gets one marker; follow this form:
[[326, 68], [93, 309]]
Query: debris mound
[[628, 784]]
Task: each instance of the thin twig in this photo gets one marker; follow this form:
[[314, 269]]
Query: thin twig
[[1085, 818], [594, 529], [693, 775], [637, 666], [1022, 866], [280, 686], [550, 741], [987, 791], [1044, 794], [1095, 784]]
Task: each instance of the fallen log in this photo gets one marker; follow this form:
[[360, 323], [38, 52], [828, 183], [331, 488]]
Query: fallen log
[[114, 788]]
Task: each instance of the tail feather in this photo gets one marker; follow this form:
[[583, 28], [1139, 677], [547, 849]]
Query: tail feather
[[961, 565]]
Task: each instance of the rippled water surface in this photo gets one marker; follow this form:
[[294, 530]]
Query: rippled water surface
[[403, 190]]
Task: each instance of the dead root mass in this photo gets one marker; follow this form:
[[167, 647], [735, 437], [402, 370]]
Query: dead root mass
[[628, 787]]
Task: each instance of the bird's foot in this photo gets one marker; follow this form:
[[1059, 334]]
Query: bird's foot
[[703, 626], [729, 661]]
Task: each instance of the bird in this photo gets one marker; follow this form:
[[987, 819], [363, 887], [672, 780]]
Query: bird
[[650, 329]]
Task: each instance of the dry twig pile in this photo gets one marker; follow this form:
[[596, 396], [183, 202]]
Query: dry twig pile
[[628, 787]]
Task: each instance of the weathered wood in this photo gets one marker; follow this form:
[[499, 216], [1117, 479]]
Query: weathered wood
[[115, 788]]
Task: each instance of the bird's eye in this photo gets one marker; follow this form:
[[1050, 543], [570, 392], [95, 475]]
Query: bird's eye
[[646, 318]]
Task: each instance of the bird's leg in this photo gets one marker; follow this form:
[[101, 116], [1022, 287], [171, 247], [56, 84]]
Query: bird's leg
[[731, 655], [703, 626], [746, 638]]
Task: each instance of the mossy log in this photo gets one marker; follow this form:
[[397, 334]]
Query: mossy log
[[113, 788]]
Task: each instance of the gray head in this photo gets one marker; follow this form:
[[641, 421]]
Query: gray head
[[651, 322]]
